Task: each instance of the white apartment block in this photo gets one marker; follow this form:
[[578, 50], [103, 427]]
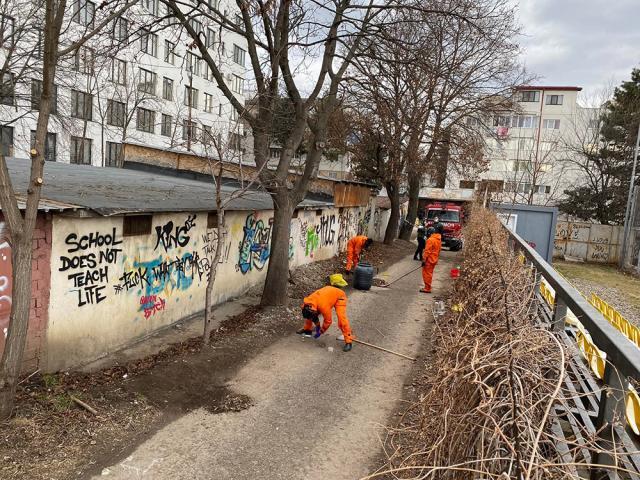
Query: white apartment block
[[529, 150], [136, 83]]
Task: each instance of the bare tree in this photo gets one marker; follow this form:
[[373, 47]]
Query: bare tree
[[282, 38], [425, 78], [65, 28]]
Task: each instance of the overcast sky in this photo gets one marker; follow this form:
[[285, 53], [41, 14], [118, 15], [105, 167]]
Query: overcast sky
[[586, 43]]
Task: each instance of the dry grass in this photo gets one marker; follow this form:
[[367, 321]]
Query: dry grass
[[489, 390]]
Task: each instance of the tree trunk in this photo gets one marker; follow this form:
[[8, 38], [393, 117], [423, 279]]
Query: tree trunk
[[412, 213], [277, 281], [208, 307], [391, 232], [21, 254]]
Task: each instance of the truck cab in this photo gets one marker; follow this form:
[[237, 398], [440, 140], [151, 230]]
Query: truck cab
[[451, 217]]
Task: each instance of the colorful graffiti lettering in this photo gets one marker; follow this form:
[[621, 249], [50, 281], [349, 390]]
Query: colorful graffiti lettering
[[5, 288], [164, 276], [151, 304], [313, 241], [254, 249], [89, 271], [178, 238]]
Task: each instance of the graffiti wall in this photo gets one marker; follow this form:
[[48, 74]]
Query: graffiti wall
[[588, 241], [109, 289]]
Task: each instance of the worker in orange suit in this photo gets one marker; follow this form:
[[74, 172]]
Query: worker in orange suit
[[431, 254], [354, 248], [321, 302]]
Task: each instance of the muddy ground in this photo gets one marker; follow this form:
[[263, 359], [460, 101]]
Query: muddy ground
[[51, 437]]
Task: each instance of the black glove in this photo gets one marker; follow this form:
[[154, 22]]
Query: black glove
[[423, 264]]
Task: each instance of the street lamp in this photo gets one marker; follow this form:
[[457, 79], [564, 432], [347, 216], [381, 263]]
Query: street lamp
[[627, 213]]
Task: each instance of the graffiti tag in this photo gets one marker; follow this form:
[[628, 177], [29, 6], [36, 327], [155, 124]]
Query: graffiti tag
[[168, 237], [254, 249]]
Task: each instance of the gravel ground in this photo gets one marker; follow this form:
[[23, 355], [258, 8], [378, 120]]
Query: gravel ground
[[611, 295]]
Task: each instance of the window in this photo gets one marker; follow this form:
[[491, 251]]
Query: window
[[207, 135], [520, 165], [196, 25], [525, 144], [191, 97], [212, 220], [554, 99], [80, 150], [192, 63], [220, 109], [211, 37], [146, 120], [275, 153], [36, 95], [167, 88], [115, 113], [502, 121], [6, 141], [83, 60], [147, 82], [113, 154], [208, 73], [472, 122], [81, 105], [7, 29], [214, 4], [594, 123], [550, 123], [238, 20], [7, 89], [151, 6], [238, 55], [49, 145], [530, 96], [238, 84], [542, 189], [234, 114], [235, 141], [84, 12], [470, 184], [149, 43], [208, 103], [120, 28], [169, 52], [119, 71], [167, 125], [188, 130], [524, 121], [39, 49]]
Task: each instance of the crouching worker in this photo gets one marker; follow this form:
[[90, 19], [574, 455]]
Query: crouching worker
[[321, 302], [431, 255], [354, 248]]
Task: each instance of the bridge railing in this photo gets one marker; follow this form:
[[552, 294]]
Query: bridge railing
[[601, 404]]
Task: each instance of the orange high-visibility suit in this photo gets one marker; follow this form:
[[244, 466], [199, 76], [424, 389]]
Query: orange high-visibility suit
[[322, 301], [354, 247], [430, 258]]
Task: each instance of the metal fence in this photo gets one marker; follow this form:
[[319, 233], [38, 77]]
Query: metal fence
[[632, 253], [595, 410]]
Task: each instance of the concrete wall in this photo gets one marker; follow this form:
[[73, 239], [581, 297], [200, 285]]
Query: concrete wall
[[40, 285], [108, 290], [588, 241]]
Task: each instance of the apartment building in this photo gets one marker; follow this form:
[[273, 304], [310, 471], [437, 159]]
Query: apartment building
[[529, 150], [136, 84]]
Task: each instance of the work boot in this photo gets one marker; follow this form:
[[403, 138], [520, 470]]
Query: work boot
[[305, 333], [347, 347]]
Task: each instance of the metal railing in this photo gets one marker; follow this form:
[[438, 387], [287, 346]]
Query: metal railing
[[598, 405]]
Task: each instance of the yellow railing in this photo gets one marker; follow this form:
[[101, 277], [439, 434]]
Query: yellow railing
[[596, 358], [622, 324]]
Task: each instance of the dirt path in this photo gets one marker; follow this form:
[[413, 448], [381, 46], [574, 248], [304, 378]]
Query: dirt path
[[315, 414]]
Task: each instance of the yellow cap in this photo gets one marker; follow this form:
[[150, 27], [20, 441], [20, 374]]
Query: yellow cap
[[337, 280]]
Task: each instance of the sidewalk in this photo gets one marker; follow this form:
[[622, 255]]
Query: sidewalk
[[316, 412]]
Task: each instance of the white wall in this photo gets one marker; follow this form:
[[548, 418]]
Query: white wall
[[106, 294], [590, 242]]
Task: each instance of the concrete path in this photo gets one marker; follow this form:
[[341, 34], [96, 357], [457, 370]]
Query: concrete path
[[318, 413]]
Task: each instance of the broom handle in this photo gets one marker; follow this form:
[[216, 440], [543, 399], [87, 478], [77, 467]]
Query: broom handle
[[384, 349], [394, 281]]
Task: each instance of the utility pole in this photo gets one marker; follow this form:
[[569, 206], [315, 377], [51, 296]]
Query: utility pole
[[627, 213]]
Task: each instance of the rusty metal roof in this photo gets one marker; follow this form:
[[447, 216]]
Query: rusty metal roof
[[116, 191]]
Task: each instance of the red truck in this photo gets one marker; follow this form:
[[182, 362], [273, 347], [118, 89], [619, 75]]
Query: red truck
[[450, 216]]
